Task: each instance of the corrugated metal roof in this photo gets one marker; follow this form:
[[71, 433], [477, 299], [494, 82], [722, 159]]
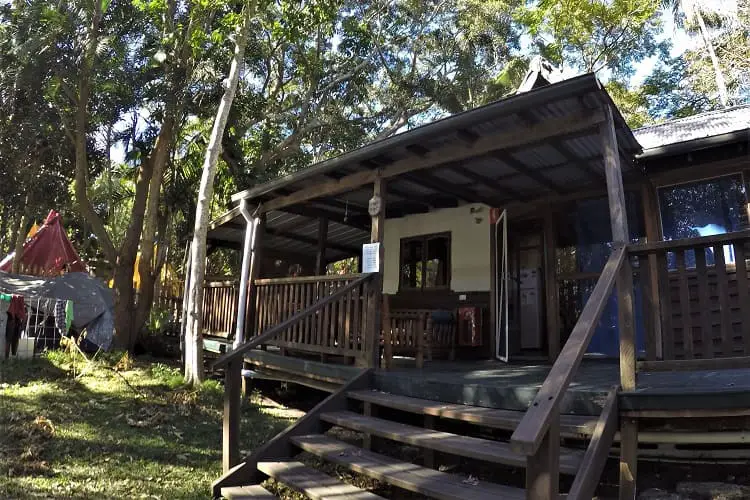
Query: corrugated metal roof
[[691, 128], [456, 170]]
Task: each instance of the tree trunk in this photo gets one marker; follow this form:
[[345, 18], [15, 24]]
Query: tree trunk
[[149, 274], [125, 330], [194, 340], [148, 269], [4, 221], [20, 238], [721, 85]]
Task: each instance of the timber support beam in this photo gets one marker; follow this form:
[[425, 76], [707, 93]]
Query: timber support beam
[[621, 236]]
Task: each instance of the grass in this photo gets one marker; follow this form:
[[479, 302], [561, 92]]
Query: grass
[[114, 429]]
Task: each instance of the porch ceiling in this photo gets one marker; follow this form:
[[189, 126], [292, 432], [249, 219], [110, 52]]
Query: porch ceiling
[[539, 144]]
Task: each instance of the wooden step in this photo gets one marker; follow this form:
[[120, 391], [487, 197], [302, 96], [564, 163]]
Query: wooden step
[[571, 426], [404, 475], [313, 483], [255, 492], [464, 446]]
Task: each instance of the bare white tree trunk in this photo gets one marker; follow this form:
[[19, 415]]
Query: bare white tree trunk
[[718, 73], [194, 341]]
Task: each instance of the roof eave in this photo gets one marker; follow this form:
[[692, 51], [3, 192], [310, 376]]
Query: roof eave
[[695, 144]]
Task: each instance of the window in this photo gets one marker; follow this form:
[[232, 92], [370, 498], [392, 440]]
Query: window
[[584, 237], [703, 208], [425, 262]]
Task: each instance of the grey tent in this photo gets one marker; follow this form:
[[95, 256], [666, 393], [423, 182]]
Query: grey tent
[[93, 303]]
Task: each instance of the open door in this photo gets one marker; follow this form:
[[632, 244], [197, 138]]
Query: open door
[[500, 234]]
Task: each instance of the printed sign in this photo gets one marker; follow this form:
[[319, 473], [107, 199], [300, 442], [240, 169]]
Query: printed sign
[[371, 258]]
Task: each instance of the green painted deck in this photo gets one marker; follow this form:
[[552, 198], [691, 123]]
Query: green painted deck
[[494, 384]]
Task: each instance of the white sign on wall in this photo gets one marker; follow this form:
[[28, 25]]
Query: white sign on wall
[[371, 258]]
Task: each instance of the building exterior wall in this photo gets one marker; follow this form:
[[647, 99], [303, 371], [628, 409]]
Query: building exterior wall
[[469, 226]]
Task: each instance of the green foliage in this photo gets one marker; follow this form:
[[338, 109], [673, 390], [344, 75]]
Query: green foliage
[[591, 35]]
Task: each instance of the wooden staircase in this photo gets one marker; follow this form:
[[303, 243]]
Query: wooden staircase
[[379, 415]]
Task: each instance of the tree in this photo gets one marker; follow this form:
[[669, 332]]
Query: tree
[[692, 14], [593, 35], [194, 338]]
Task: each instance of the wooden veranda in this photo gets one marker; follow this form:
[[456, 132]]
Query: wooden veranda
[[527, 155]]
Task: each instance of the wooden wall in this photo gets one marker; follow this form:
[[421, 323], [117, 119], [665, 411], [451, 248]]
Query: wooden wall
[[706, 325]]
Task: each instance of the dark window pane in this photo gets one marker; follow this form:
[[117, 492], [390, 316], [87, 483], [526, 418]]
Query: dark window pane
[[411, 264], [704, 208], [585, 233], [436, 263], [425, 262]]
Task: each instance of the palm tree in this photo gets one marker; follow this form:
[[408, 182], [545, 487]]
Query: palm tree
[[692, 12]]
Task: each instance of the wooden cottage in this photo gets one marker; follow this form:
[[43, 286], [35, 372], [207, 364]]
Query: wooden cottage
[[533, 266]]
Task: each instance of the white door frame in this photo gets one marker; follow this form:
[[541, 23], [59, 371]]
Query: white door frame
[[501, 295]]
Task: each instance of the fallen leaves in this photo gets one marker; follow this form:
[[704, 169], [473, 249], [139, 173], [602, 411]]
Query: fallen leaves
[[146, 416]]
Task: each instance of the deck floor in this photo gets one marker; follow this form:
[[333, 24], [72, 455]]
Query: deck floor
[[514, 385], [494, 384]]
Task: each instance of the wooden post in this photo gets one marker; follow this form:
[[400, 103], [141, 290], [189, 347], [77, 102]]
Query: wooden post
[[377, 212], [320, 258], [653, 234], [550, 286], [621, 236], [387, 334], [247, 255], [543, 468], [628, 458], [430, 422], [231, 422], [494, 283], [255, 269]]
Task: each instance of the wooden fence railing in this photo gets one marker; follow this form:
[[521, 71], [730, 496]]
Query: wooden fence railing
[[336, 329], [220, 308], [232, 362], [699, 297]]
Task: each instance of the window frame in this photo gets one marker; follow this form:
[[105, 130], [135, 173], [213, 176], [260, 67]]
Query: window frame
[[424, 238]]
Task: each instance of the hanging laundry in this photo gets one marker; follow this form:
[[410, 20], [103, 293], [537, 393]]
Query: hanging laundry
[[16, 321], [60, 322], [68, 314], [4, 304], [12, 335], [17, 308]]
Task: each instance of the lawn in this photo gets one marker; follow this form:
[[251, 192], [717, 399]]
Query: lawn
[[114, 429]]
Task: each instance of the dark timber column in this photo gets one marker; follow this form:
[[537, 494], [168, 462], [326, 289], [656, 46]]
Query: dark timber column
[[651, 289], [374, 311], [320, 258], [550, 286], [621, 236]]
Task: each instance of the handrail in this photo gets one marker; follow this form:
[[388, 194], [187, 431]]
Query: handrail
[[688, 243], [531, 430], [595, 458], [269, 334], [220, 284], [306, 279]]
